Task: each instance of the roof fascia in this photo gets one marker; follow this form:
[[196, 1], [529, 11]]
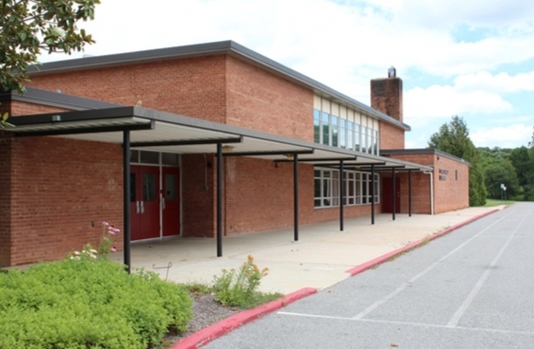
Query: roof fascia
[[417, 151], [58, 100]]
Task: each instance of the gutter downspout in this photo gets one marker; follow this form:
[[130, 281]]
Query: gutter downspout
[[431, 191]]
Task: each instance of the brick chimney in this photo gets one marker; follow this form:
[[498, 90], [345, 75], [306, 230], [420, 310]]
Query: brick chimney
[[386, 95]]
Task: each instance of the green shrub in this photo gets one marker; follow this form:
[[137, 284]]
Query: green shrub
[[88, 303]]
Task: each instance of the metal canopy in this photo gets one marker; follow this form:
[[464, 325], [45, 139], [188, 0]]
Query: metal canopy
[[139, 128], [171, 133]]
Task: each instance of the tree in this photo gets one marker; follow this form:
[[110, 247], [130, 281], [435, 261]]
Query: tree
[[501, 172], [29, 26], [453, 138]]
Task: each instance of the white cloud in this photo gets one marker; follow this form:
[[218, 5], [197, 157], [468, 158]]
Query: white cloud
[[501, 82], [345, 43], [446, 101], [510, 136]]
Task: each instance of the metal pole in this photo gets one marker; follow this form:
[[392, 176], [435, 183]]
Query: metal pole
[[341, 196], [394, 194], [126, 198], [219, 199], [296, 195], [372, 194], [409, 193]]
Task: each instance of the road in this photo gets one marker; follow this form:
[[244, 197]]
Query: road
[[472, 288]]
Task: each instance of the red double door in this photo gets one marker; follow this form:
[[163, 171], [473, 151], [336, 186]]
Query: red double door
[[154, 203]]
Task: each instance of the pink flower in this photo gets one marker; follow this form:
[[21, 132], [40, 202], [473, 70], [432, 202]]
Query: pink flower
[[112, 230], [105, 223], [113, 249]]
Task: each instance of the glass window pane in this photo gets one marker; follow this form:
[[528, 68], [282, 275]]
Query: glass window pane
[[342, 133], [316, 126], [149, 187], [326, 128], [335, 131], [357, 137], [169, 159], [170, 187], [317, 187], [350, 134], [149, 157], [133, 196], [134, 156]]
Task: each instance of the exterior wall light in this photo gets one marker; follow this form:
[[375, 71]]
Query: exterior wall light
[[227, 149]]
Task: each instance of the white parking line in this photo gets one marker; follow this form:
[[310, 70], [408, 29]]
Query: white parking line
[[467, 302], [399, 289], [407, 323]]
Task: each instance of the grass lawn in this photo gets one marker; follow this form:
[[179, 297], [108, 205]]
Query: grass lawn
[[494, 202]]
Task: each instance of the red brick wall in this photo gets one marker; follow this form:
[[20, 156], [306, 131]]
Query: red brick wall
[[391, 137], [259, 195], [198, 195], [262, 101], [5, 199], [64, 189], [193, 86], [449, 194], [23, 108]]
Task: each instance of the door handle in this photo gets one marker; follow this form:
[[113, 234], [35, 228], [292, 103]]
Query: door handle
[[137, 207], [142, 207], [162, 204]]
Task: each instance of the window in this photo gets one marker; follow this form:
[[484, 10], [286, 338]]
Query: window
[[356, 188], [339, 126], [317, 126], [335, 131], [325, 126]]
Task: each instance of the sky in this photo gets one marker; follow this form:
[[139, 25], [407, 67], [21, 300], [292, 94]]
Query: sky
[[474, 59]]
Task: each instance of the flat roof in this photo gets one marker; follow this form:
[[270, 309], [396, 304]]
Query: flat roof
[[416, 151], [208, 49]]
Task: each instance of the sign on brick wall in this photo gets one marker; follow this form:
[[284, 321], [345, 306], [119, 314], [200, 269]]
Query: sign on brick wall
[[443, 174]]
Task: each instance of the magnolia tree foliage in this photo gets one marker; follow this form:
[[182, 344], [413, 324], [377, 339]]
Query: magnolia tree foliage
[[453, 138], [29, 26]]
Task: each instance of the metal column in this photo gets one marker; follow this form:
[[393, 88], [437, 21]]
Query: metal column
[[341, 196], [409, 193], [296, 195], [394, 194], [219, 200], [126, 195], [372, 194]]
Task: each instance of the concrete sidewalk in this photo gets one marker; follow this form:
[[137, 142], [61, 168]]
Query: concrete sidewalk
[[320, 258]]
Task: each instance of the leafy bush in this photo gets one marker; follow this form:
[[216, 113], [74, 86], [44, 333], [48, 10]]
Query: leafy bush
[[238, 287], [88, 303]]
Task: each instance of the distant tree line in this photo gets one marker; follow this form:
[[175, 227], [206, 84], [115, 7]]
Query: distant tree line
[[492, 169], [514, 168]]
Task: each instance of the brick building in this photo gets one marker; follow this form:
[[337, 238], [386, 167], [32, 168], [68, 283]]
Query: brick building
[[205, 140]]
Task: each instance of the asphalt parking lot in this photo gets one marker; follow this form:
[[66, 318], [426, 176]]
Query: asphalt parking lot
[[471, 288]]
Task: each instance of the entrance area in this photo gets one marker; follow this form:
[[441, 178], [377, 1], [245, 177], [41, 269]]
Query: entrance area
[[155, 202], [387, 199]]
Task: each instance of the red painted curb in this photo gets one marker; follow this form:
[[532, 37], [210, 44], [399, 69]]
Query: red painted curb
[[381, 259], [206, 335]]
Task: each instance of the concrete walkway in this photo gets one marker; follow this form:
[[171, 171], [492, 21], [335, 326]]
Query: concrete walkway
[[322, 256]]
